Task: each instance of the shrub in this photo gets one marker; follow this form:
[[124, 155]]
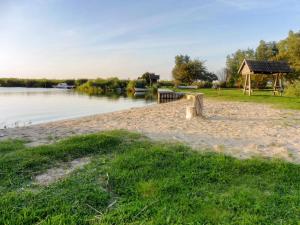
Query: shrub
[[131, 85], [79, 82], [166, 83], [140, 83], [90, 89], [154, 88], [202, 84], [293, 89]]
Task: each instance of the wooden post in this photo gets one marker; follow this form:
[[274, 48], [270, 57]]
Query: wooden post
[[249, 84], [245, 84], [275, 84], [280, 84]]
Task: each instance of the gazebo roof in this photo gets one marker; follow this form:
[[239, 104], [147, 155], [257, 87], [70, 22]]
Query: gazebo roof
[[265, 67]]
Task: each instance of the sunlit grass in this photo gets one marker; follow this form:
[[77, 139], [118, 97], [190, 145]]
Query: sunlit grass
[[132, 180], [257, 96]]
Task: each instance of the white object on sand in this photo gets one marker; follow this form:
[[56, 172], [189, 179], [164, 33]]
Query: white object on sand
[[197, 105]]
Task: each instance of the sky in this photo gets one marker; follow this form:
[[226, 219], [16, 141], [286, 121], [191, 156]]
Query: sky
[[125, 38]]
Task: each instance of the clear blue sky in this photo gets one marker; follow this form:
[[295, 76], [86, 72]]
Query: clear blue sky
[[91, 38]]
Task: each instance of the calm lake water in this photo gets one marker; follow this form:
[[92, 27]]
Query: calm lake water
[[25, 106]]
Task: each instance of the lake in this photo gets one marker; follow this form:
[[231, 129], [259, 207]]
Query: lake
[[25, 106]]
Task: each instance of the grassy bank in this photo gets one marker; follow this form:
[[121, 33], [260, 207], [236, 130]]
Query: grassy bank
[[283, 102], [132, 180]]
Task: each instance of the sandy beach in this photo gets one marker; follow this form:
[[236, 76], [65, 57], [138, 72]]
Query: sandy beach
[[239, 129]]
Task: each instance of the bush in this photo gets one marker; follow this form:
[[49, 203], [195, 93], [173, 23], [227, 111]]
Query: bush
[[131, 85], [90, 89], [154, 88], [79, 82], [293, 89], [140, 83], [202, 84], [102, 86], [166, 83], [29, 83]]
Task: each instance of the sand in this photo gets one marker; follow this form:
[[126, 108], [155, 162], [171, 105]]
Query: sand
[[242, 130], [54, 174]]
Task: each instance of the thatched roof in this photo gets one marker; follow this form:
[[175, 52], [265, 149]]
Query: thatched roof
[[265, 67]]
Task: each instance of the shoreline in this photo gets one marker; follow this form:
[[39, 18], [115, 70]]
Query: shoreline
[[238, 129]]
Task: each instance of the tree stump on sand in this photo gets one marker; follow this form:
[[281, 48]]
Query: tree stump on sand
[[197, 106], [198, 103], [190, 112]]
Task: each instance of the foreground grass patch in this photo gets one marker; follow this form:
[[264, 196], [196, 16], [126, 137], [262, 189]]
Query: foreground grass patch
[[132, 180]]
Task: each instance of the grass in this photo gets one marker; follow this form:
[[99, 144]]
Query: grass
[[132, 180], [283, 102]]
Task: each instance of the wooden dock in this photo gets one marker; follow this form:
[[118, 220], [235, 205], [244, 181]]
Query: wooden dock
[[165, 95]]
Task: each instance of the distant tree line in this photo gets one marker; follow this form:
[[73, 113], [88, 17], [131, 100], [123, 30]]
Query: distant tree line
[[287, 50], [89, 86], [33, 83]]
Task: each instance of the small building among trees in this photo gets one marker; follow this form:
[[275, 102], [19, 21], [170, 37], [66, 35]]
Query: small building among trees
[[150, 78], [274, 69]]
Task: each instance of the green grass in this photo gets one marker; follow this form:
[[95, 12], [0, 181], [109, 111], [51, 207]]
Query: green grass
[[258, 96], [150, 183]]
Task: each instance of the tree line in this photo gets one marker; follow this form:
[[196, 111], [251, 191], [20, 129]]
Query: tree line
[[36, 83], [287, 50]]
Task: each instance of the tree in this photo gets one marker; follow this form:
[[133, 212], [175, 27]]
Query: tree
[[266, 50], [233, 63], [222, 74], [147, 77], [286, 50], [289, 50], [188, 71]]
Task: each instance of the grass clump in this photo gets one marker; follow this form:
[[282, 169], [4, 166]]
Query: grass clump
[[132, 180], [10, 146]]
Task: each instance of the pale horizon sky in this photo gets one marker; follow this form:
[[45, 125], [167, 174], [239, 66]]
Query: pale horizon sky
[[94, 38]]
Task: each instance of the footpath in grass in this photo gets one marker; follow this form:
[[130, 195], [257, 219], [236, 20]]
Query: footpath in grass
[[283, 102], [132, 180]]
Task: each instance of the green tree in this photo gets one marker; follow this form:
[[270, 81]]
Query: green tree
[[233, 63], [266, 50], [146, 76], [188, 71], [289, 50]]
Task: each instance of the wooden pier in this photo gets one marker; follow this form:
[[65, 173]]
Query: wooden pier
[[165, 95]]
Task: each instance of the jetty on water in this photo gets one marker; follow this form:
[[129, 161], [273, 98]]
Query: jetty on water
[[166, 95]]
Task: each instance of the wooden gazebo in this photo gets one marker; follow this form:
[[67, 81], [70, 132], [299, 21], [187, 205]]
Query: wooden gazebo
[[276, 69]]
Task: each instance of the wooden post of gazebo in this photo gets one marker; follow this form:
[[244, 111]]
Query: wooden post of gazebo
[[247, 84], [277, 86], [264, 68]]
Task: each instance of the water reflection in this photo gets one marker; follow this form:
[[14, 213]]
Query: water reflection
[[146, 96], [25, 106]]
